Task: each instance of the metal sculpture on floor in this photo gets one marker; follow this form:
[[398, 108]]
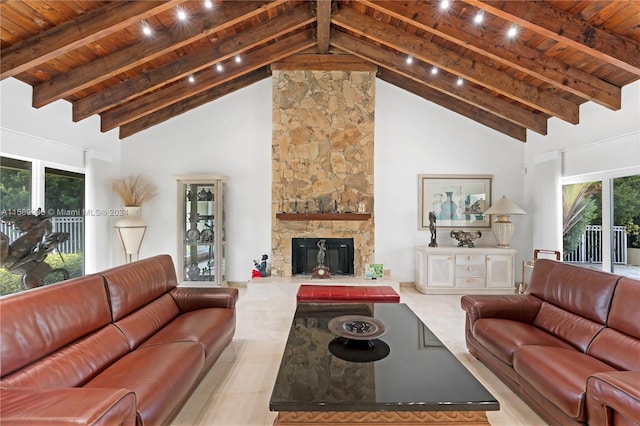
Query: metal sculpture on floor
[[26, 255], [321, 270]]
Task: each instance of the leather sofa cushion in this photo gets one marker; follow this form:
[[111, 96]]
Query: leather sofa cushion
[[146, 321], [72, 365], [502, 337], [73, 309], [563, 285], [567, 326], [624, 315], [161, 377], [616, 349], [131, 288], [559, 374], [72, 406], [213, 328]]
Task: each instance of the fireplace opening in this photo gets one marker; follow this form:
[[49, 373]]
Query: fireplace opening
[[338, 257]]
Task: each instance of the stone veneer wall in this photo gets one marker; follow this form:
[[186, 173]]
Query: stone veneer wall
[[323, 129]]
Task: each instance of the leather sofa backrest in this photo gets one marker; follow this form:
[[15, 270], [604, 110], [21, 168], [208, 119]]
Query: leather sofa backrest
[[132, 286], [619, 344], [576, 300], [581, 291], [69, 319]]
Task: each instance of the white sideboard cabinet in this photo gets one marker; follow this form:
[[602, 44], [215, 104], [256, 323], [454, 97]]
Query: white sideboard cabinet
[[461, 270]]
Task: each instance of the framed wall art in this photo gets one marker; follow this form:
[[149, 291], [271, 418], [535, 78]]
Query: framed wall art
[[456, 201]]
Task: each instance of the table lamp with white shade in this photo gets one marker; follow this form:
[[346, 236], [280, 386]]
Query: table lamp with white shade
[[503, 228]]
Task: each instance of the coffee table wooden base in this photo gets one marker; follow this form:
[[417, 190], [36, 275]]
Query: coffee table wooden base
[[378, 418]]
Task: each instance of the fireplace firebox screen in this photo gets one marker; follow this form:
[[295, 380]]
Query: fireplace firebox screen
[[338, 257]]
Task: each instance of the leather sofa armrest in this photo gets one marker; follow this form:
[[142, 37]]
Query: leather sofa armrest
[[69, 406], [516, 307], [194, 298], [613, 397]]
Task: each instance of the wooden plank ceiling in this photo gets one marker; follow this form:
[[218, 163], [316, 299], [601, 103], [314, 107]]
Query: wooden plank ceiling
[[95, 54]]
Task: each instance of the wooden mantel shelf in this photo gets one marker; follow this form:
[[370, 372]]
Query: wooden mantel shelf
[[323, 216]]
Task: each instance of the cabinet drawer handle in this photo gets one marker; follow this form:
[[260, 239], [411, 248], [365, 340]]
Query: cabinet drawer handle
[[468, 268], [468, 257]]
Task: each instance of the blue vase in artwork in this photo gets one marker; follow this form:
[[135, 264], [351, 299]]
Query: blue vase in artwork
[[448, 209]]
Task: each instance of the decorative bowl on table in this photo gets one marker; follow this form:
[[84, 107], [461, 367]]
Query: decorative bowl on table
[[357, 327], [465, 239]]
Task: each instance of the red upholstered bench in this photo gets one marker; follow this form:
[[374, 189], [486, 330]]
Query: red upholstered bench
[[347, 293]]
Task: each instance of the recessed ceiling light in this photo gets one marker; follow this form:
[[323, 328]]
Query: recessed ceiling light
[[182, 15], [146, 29], [513, 30], [208, 4], [409, 59], [192, 79], [434, 70], [460, 81], [444, 4], [479, 17], [238, 59], [219, 67]]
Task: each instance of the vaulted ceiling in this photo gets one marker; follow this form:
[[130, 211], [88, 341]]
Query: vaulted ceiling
[[95, 54]]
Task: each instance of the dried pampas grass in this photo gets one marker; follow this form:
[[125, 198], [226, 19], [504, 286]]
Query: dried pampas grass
[[134, 190]]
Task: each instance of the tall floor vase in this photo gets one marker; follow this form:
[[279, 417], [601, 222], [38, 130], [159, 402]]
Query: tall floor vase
[[131, 229]]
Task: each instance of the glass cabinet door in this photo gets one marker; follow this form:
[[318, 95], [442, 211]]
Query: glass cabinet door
[[202, 238]]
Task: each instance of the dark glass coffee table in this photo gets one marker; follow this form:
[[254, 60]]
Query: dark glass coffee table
[[405, 376]]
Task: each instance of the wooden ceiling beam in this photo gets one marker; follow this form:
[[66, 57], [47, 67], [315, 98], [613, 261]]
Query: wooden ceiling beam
[[569, 30], [71, 35], [206, 79], [323, 12], [474, 71], [479, 116], [222, 50], [193, 102], [318, 62], [84, 76], [485, 40], [443, 83]]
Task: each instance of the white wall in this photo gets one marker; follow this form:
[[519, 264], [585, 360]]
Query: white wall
[[49, 135], [413, 137], [604, 141], [232, 136]]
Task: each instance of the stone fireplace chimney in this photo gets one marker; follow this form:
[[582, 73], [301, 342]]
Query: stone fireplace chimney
[[322, 157]]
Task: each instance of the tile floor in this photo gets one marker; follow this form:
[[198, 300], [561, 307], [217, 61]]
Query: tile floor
[[237, 389]]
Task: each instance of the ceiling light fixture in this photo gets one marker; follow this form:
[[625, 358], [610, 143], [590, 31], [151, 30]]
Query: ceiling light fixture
[[513, 30], [460, 81], [238, 59], [434, 70], [479, 17], [192, 79], [444, 4], [409, 59], [182, 15], [219, 67], [146, 29], [208, 4]]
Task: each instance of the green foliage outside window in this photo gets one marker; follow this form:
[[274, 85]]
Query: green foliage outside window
[[72, 262]]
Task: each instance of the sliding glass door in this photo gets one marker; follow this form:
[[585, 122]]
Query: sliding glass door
[[52, 235], [601, 223]]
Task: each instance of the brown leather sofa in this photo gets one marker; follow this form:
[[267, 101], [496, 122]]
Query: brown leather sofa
[[570, 348], [122, 347]]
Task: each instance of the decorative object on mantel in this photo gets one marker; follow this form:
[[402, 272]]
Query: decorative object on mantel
[[503, 228], [335, 207], [321, 270], [323, 216], [466, 239], [134, 190], [432, 228]]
